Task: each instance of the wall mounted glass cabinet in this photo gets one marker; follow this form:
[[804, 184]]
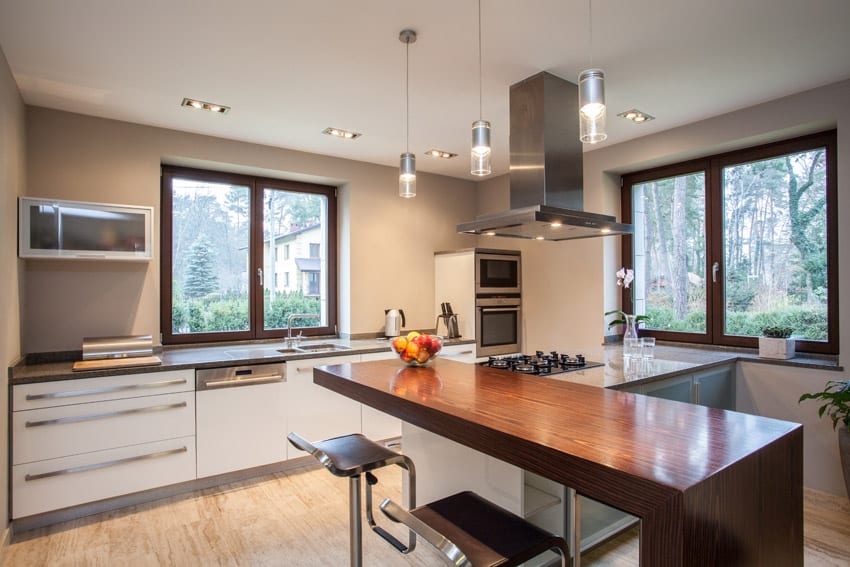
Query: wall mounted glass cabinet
[[50, 228]]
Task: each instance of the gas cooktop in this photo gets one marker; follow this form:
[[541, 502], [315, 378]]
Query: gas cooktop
[[541, 363]]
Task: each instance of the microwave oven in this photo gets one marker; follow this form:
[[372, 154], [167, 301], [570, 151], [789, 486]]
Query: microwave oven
[[498, 272]]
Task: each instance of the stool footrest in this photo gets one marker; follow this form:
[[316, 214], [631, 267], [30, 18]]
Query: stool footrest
[[391, 539]]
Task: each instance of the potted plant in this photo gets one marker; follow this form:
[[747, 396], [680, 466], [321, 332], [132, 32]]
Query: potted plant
[[776, 342], [836, 396]]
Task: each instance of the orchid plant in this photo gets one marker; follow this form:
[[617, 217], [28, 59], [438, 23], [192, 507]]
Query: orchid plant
[[625, 277]]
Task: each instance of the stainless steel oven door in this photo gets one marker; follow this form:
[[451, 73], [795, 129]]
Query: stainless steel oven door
[[498, 273], [498, 326]]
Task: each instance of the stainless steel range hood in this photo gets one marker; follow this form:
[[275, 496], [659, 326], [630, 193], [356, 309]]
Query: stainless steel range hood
[[546, 169]]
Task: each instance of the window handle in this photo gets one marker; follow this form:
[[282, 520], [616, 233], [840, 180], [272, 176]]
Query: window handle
[[260, 276], [715, 267]]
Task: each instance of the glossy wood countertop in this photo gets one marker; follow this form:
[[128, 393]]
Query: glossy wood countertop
[[675, 465], [669, 443]]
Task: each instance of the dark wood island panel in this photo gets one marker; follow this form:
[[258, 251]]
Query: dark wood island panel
[[711, 487]]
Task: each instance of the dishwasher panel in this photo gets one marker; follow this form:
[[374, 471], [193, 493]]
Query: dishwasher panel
[[241, 418]]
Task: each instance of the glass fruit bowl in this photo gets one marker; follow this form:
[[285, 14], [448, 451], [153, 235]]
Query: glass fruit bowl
[[417, 349]]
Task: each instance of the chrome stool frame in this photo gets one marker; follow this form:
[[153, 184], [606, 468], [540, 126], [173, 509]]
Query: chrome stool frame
[[352, 456]]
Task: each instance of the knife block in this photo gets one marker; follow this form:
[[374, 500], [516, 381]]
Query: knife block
[[450, 323]]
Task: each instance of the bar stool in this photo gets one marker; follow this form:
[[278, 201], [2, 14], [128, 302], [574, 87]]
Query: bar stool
[[351, 456], [472, 531]]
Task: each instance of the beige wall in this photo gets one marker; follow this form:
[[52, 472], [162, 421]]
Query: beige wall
[[578, 283], [386, 248], [12, 182]]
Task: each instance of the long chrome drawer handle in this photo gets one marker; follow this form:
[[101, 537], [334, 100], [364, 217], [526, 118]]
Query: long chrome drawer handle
[[76, 418], [239, 381], [72, 393], [95, 466]]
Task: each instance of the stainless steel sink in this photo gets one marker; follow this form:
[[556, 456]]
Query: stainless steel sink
[[289, 351], [323, 347]]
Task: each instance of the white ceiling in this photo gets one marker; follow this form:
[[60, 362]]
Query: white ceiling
[[291, 68]]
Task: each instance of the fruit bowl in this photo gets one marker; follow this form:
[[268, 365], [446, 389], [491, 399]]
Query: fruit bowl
[[417, 349]]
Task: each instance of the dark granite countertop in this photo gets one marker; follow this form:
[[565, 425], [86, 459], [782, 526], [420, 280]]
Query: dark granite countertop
[[670, 360], [208, 356]]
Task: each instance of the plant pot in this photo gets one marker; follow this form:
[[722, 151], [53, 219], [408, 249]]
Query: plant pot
[[844, 452], [770, 347]]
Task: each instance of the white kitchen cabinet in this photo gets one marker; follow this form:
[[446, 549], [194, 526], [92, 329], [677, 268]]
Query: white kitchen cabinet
[[78, 441], [459, 353], [715, 387], [677, 388], [314, 412], [52, 484], [241, 428], [87, 390], [375, 424], [48, 433]]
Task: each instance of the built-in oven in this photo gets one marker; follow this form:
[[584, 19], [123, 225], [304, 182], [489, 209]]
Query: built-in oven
[[498, 271], [498, 322]]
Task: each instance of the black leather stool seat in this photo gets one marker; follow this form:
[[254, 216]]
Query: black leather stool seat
[[479, 533], [355, 454]]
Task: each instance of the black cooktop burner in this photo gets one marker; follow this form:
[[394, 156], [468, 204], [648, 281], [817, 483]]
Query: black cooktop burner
[[541, 363]]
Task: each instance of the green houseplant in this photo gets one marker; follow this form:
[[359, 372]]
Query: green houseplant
[[776, 342], [836, 398]]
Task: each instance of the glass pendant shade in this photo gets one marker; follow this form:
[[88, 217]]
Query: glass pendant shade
[[591, 101], [480, 155], [407, 176]]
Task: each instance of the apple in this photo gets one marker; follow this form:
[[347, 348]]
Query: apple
[[423, 356], [399, 344], [412, 350], [412, 334]]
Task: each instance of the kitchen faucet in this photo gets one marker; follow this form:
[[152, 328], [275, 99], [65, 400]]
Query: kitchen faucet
[[289, 338]]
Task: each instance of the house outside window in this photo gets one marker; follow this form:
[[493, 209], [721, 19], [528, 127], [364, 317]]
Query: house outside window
[[727, 245], [314, 250]]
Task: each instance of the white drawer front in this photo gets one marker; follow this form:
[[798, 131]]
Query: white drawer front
[[59, 483], [51, 433], [66, 392]]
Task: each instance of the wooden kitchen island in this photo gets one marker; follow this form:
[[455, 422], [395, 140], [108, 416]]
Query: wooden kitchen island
[[711, 487]]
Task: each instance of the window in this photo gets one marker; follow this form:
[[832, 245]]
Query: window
[[221, 240], [314, 250], [730, 244]]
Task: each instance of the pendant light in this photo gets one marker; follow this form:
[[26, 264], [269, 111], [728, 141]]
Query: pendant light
[[591, 96], [480, 154], [407, 167]]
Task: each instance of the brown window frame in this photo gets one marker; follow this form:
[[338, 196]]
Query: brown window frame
[[712, 167], [256, 185]]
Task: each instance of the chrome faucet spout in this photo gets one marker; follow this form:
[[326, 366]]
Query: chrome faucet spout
[[289, 319]]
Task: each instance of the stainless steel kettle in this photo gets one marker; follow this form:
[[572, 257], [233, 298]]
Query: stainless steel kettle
[[394, 322]]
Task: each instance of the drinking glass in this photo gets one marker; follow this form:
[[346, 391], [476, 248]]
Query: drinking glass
[[647, 347], [631, 348]]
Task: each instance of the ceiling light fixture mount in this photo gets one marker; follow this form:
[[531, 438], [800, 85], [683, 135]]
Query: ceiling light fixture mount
[[407, 165], [480, 153], [636, 116], [209, 106], [440, 154], [591, 95], [340, 133]]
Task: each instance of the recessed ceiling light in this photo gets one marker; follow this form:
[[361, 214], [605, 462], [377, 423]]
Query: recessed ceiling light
[[340, 133], [555, 224], [538, 238], [440, 154], [201, 105], [489, 234], [636, 116]]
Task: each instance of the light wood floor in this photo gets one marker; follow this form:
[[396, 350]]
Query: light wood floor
[[299, 517]]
